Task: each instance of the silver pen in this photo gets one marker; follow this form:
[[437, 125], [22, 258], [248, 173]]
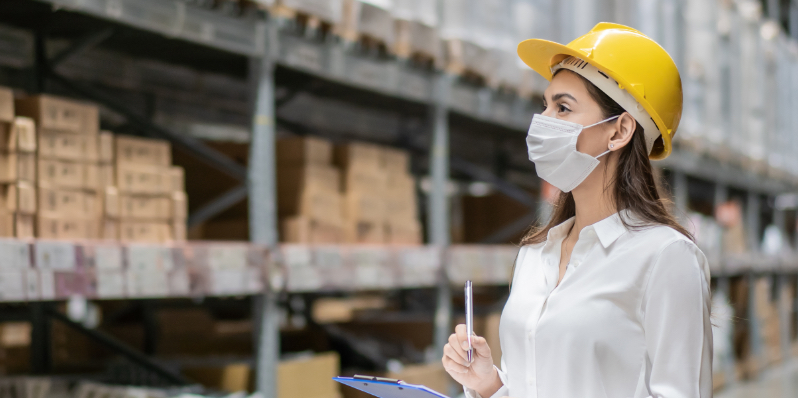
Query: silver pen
[[469, 304]]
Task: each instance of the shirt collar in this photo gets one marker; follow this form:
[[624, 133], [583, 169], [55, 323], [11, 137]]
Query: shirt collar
[[611, 228], [558, 232]]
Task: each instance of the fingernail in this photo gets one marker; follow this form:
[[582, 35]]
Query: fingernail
[[464, 345]]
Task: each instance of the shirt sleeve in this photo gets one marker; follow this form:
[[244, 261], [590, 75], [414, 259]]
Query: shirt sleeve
[[678, 332], [501, 392]]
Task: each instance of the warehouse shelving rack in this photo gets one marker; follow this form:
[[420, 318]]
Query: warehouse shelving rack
[[265, 44]]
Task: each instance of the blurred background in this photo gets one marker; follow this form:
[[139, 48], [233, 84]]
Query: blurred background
[[225, 198]]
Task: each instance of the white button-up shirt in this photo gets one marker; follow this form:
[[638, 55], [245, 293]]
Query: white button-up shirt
[[630, 318]]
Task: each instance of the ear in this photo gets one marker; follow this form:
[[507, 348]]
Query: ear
[[624, 130]]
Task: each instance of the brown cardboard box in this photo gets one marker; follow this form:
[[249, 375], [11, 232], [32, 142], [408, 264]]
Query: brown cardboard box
[[395, 161], [18, 197], [6, 104], [229, 378], [364, 179], [17, 225], [65, 145], [18, 135], [309, 377], [401, 208], [137, 231], [110, 229], [143, 179], [179, 230], [179, 206], [55, 202], [105, 146], [147, 151], [291, 179], [304, 150], [107, 174], [57, 113], [358, 154], [312, 202], [67, 227], [364, 232], [110, 202], [432, 375], [364, 206], [401, 183], [66, 174], [17, 167], [138, 207], [405, 233], [177, 176], [301, 229]]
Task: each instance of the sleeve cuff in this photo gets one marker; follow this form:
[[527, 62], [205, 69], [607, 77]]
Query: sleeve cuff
[[501, 392]]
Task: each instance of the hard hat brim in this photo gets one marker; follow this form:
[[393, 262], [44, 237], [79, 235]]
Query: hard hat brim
[[541, 55]]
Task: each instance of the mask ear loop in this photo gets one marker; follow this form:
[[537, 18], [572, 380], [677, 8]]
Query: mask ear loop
[[596, 124]]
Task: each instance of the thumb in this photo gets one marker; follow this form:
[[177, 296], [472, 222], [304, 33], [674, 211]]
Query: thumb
[[480, 345]]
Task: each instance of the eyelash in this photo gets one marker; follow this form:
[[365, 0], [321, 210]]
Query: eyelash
[[561, 107]]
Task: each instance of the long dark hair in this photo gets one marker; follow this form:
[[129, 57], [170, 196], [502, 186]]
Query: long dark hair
[[634, 189]]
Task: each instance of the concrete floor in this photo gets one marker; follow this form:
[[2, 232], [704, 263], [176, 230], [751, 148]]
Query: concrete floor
[[780, 382]]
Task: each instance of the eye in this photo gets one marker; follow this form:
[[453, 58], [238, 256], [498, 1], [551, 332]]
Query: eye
[[562, 108]]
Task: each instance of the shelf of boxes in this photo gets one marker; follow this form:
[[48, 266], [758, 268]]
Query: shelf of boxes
[[36, 270]]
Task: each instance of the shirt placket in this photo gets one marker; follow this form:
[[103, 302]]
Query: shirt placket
[[581, 249]]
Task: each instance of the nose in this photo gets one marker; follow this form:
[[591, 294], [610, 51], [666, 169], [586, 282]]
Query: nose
[[549, 111]]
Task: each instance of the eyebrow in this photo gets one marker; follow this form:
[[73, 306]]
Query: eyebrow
[[555, 97]]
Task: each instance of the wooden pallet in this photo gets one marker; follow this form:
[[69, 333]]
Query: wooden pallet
[[366, 28], [466, 60], [304, 22], [418, 44]]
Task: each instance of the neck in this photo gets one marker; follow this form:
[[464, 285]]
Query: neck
[[593, 198]]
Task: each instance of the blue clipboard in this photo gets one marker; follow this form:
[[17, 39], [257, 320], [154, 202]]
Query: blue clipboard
[[388, 388]]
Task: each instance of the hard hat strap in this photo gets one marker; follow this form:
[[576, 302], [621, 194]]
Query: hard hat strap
[[610, 87]]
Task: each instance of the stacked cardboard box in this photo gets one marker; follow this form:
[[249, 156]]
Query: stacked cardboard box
[[364, 189], [18, 171], [401, 204], [152, 205], [309, 197], [109, 194], [67, 174]]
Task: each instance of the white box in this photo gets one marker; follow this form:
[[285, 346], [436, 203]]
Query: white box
[[110, 283], [46, 284], [226, 257], [14, 255], [149, 257], [108, 257], [12, 285], [147, 283], [55, 255]]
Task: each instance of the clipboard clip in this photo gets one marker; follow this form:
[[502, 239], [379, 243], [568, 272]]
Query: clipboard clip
[[374, 378]]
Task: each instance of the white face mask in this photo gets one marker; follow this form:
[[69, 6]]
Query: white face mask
[[551, 144]]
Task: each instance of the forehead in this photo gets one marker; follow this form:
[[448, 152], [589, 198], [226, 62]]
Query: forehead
[[566, 82]]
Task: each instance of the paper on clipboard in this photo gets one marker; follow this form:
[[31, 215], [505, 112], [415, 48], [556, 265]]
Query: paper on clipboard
[[388, 388]]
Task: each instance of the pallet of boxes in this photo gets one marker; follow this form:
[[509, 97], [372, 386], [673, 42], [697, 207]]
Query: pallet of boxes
[[380, 204], [17, 170], [66, 166], [308, 192], [147, 202]]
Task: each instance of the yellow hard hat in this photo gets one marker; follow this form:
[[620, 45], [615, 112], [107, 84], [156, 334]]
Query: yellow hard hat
[[639, 66]]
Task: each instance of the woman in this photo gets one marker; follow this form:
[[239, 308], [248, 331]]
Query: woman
[[611, 298]]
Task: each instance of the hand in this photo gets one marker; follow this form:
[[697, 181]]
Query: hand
[[479, 375]]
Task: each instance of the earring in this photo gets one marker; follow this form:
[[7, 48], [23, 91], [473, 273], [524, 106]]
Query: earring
[[612, 146]]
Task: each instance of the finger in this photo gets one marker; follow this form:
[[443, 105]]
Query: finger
[[457, 346], [453, 367], [480, 346], [448, 350], [462, 335]]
